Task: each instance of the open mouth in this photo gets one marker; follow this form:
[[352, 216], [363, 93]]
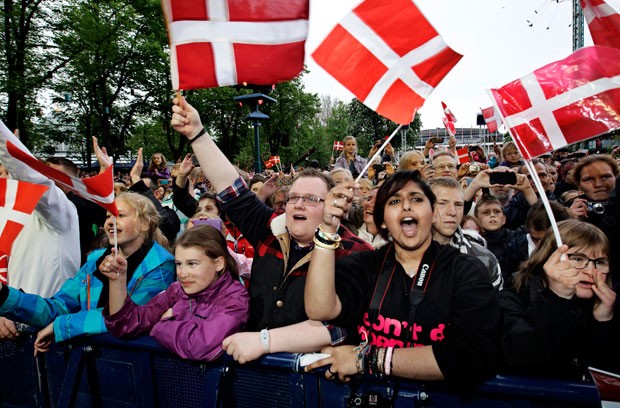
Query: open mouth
[[299, 217], [409, 226]]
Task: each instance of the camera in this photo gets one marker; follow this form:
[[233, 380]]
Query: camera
[[474, 168], [596, 208]]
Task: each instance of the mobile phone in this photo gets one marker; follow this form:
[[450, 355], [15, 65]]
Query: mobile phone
[[437, 139], [503, 177], [195, 161]]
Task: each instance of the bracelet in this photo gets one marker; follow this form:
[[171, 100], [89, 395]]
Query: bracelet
[[331, 236], [264, 339], [387, 364], [202, 132], [323, 242]]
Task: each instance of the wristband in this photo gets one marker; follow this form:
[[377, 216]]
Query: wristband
[[264, 340], [198, 136]]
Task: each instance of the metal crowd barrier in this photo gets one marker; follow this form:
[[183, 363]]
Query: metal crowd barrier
[[103, 371]]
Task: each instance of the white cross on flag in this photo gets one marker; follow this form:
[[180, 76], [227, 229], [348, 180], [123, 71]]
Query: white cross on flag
[[463, 155], [492, 119], [449, 115], [388, 55], [227, 42], [603, 22], [449, 125], [98, 189], [18, 200], [564, 102], [338, 145]]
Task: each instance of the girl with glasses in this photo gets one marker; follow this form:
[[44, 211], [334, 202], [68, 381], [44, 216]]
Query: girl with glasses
[[559, 317]]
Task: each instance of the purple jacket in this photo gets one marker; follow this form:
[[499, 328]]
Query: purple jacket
[[199, 324]]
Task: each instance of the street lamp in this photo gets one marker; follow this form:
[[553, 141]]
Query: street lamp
[[257, 99]]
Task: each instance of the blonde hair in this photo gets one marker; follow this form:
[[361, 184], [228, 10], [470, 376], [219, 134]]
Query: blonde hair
[[146, 213]]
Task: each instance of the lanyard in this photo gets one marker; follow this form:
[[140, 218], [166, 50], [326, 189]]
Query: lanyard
[[386, 274]]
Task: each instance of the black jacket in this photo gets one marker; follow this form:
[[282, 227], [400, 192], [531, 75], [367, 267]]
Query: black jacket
[[279, 268], [458, 314], [546, 335]]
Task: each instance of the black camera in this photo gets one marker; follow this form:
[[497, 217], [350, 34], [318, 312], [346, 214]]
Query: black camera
[[596, 208]]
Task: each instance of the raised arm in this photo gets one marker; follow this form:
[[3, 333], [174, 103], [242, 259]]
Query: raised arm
[[215, 165], [320, 298]]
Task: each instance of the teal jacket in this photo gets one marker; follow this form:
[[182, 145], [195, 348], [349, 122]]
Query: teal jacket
[[74, 308]]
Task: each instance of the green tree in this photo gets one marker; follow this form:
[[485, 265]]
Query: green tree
[[117, 74], [27, 59]]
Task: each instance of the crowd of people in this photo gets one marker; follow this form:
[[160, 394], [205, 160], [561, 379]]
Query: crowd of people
[[425, 268]]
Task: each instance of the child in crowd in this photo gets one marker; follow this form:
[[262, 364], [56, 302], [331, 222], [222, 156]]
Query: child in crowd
[[206, 304], [76, 308], [510, 155], [244, 263], [559, 318], [158, 167], [490, 215]]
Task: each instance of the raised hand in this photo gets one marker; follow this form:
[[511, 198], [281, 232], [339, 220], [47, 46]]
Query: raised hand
[[561, 274]]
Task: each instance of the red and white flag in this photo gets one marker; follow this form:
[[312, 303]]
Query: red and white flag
[[226, 42], [272, 161], [449, 115], [603, 22], [449, 125], [18, 200], [4, 269], [388, 55], [98, 189], [608, 387], [564, 102], [463, 155], [338, 145], [492, 118]]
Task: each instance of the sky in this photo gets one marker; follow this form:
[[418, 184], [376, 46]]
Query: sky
[[500, 40]]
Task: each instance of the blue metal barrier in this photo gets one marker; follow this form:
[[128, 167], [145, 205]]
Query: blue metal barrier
[[106, 372], [20, 382]]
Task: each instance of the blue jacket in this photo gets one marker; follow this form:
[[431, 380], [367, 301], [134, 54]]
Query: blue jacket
[[73, 309]]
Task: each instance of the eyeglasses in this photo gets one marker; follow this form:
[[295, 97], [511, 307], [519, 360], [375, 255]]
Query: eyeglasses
[[309, 200], [581, 262]]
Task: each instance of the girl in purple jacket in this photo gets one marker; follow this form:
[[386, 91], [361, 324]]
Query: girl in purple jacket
[[206, 304]]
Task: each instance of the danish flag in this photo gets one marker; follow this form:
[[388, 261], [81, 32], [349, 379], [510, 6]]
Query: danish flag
[[567, 101], [273, 160], [449, 125], [388, 55], [449, 115], [338, 145], [99, 189], [227, 42], [492, 119], [18, 200], [603, 22], [463, 154]]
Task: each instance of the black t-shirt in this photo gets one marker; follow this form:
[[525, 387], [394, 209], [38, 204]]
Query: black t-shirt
[[457, 314]]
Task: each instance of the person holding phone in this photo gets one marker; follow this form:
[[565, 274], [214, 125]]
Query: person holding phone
[[559, 318]]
